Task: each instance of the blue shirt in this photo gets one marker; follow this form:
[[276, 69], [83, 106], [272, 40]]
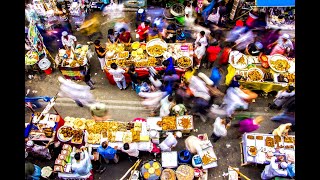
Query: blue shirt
[[37, 173], [108, 153]]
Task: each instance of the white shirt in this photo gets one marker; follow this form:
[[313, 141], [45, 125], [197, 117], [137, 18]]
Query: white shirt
[[157, 83], [132, 151], [282, 96], [219, 129], [273, 170], [285, 45], [82, 167], [117, 74], [203, 40], [169, 142], [70, 41], [200, 51], [165, 107]]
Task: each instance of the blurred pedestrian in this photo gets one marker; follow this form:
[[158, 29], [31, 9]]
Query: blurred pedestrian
[[37, 151], [91, 27], [170, 33], [276, 168], [212, 54], [202, 38], [118, 76], [219, 129], [154, 33], [235, 81], [250, 124], [166, 105], [101, 53], [63, 18], [87, 78], [281, 97]]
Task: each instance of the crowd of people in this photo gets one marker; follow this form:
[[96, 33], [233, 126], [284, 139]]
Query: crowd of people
[[167, 93]]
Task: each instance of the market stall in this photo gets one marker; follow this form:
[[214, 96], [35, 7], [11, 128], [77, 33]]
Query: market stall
[[281, 18], [87, 131], [151, 54], [171, 123], [73, 64], [266, 73], [258, 148]]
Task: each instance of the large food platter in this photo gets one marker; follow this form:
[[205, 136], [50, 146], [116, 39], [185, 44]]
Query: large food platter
[[255, 74], [156, 47], [184, 122], [184, 62], [279, 63], [238, 60], [60, 133]]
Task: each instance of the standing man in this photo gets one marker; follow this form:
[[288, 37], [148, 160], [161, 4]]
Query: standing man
[[68, 40], [101, 53], [108, 153], [202, 39], [199, 53], [125, 36]]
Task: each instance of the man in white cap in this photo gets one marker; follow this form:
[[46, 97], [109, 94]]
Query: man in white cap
[[68, 40], [275, 169], [282, 46]]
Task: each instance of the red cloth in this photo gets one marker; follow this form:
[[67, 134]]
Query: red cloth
[[225, 55], [142, 73], [213, 52], [141, 31], [125, 37], [239, 23]]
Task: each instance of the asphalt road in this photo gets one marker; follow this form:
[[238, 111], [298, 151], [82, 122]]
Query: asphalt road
[[126, 105]]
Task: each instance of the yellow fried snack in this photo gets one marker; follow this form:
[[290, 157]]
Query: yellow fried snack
[[169, 123], [184, 62], [241, 61], [146, 175], [207, 159], [147, 166], [185, 123], [158, 172], [156, 165], [156, 50], [280, 65], [255, 75]]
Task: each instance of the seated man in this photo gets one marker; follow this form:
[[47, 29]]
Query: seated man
[[108, 153], [81, 164]]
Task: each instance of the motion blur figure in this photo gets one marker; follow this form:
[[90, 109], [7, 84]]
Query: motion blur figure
[[90, 27]]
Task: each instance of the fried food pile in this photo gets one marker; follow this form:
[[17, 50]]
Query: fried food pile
[[280, 65], [242, 61], [185, 122], [184, 62], [66, 132], [269, 141], [255, 75], [168, 123], [156, 50], [207, 159]]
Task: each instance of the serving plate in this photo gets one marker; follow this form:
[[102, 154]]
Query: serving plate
[[238, 60], [277, 57]]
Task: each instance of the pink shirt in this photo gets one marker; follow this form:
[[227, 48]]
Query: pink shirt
[[247, 125]]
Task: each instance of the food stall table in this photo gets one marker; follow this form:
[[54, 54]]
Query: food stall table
[[255, 146], [74, 65], [181, 123], [207, 150], [268, 78], [169, 159], [137, 53]]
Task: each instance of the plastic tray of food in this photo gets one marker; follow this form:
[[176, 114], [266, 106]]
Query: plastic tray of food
[[184, 122]]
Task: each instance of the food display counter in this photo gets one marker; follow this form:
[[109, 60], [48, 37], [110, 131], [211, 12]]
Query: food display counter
[[145, 55], [73, 63], [266, 73], [171, 123], [259, 148], [207, 154], [115, 132]]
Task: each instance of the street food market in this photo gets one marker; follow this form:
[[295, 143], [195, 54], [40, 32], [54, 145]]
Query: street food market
[[146, 90]]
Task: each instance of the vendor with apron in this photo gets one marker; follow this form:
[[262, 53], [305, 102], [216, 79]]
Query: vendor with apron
[[282, 46]]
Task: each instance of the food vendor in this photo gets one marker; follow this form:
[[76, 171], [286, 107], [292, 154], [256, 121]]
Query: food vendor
[[154, 33], [170, 141], [220, 127], [108, 153], [125, 36], [275, 169], [193, 144], [99, 111], [282, 46], [181, 37], [101, 53], [81, 164], [68, 40], [112, 36], [282, 130], [131, 149], [179, 110], [143, 30]]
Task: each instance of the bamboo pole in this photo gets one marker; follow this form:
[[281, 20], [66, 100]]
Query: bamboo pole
[[135, 167], [125, 175], [242, 175]]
